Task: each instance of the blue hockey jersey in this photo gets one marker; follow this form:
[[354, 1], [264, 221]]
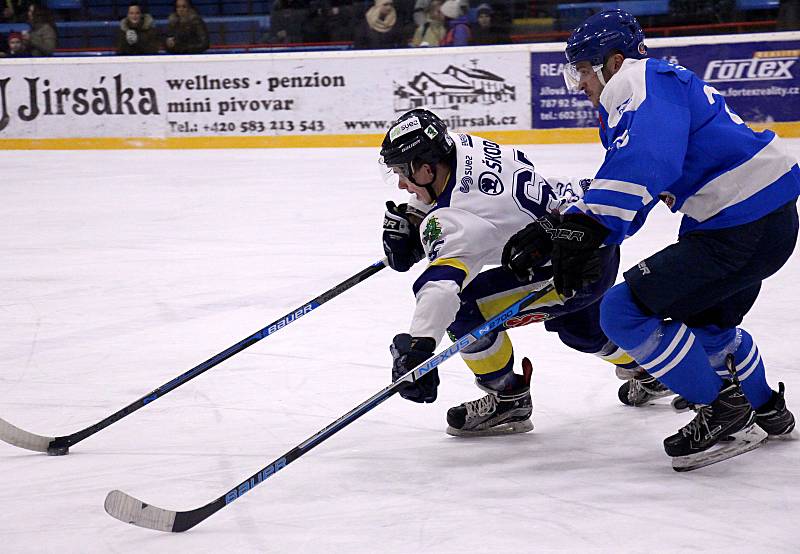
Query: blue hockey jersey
[[670, 136]]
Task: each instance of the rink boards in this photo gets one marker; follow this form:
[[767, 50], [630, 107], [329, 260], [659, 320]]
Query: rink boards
[[511, 93]]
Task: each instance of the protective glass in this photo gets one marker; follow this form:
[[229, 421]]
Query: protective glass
[[573, 77], [391, 173]]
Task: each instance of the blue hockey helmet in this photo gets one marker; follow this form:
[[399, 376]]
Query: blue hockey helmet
[[600, 35]]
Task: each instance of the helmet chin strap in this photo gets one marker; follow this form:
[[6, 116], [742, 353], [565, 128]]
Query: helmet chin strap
[[599, 73], [429, 187]]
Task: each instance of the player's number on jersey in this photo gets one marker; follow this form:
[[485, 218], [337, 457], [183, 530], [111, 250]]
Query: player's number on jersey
[[710, 92], [532, 193]]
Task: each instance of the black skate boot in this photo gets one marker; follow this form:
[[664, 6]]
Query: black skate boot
[[641, 389], [728, 421], [773, 417], [497, 413]]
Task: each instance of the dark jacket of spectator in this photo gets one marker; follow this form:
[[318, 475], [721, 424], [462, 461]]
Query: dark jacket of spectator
[[341, 19], [379, 28], [14, 11], [42, 38], [186, 31], [137, 33], [485, 30], [286, 22]]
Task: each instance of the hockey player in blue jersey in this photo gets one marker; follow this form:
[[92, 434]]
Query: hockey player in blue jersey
[[671, 137]]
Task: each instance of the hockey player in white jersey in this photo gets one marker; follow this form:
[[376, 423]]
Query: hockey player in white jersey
[[671, 137], [474, 195]]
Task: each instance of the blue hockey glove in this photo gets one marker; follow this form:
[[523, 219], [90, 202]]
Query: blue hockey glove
[[576, 262], [401, 241], [530, 248], [407, 353]]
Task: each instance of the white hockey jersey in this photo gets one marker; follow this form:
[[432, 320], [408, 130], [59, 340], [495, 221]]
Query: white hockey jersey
[[493, 192]]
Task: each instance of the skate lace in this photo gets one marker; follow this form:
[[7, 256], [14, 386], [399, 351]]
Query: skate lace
[[633, 389], [481, 407], [698, 424]]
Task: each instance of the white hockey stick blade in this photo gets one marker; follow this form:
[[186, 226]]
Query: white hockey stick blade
[[132, 510], [22, 438], [740, 442]]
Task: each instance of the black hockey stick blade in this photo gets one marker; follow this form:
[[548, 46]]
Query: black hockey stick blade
[[128, 509], [60, 445]]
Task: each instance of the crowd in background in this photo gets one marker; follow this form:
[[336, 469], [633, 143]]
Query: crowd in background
[[364, 24], [387, 23]]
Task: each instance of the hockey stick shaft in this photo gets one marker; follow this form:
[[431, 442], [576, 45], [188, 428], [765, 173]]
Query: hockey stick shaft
[[23, 439], [131, 510]]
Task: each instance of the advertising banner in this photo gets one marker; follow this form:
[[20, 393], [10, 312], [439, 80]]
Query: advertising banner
[[759, 80], [261, 95]]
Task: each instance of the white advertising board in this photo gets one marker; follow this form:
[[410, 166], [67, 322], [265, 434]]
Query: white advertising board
[[321, 93]]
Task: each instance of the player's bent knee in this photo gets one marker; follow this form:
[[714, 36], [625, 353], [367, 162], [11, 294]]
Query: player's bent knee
[[621, 317]]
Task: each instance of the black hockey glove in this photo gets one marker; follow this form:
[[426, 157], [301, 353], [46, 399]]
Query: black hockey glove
[[530, 248], [401, 238], [408, 352], [576, 262]]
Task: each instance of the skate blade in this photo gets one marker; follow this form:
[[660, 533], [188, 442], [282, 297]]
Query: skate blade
[[792, 435], [747, 439], [502, 429], [650, 397]]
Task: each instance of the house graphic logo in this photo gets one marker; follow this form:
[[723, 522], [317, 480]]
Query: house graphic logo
[[452, 89]]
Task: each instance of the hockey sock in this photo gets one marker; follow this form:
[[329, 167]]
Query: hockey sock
[[668, 351], [491, 359], [749, 366]]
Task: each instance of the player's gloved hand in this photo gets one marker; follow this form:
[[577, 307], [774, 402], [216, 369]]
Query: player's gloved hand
[[407, 353], [131, 36], [401, 241], [576, 262], [530, 248]]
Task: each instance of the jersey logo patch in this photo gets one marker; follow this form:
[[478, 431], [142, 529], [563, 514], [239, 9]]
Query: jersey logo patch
[[667, 198], [489, 183], [466, 182], [432, 231]]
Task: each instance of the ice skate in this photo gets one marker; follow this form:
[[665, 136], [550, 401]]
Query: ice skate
[[773, 417], [641, 389], [720, 430], [497, 413]]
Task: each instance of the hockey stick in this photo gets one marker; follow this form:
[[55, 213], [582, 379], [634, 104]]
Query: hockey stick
[[57, 446], [131, 510]]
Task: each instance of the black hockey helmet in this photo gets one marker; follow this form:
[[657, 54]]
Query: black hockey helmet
[[418, 135]]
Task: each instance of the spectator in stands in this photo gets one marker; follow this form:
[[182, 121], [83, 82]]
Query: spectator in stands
[[788, 16], [16, 47], [485, 31], [15, 10], [137, 33], [421, 11], [340, 20], [458, 30], [316, 28], [379, 28], [42, 38], [186, 31], [432, 31], [286, 22]]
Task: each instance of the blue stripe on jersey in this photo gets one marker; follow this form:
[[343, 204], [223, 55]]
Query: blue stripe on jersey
[[439, 273]]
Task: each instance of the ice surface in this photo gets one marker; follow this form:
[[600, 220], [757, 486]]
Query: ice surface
[[122, 270]]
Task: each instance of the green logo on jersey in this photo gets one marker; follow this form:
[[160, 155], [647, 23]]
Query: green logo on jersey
[[432, 231]]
